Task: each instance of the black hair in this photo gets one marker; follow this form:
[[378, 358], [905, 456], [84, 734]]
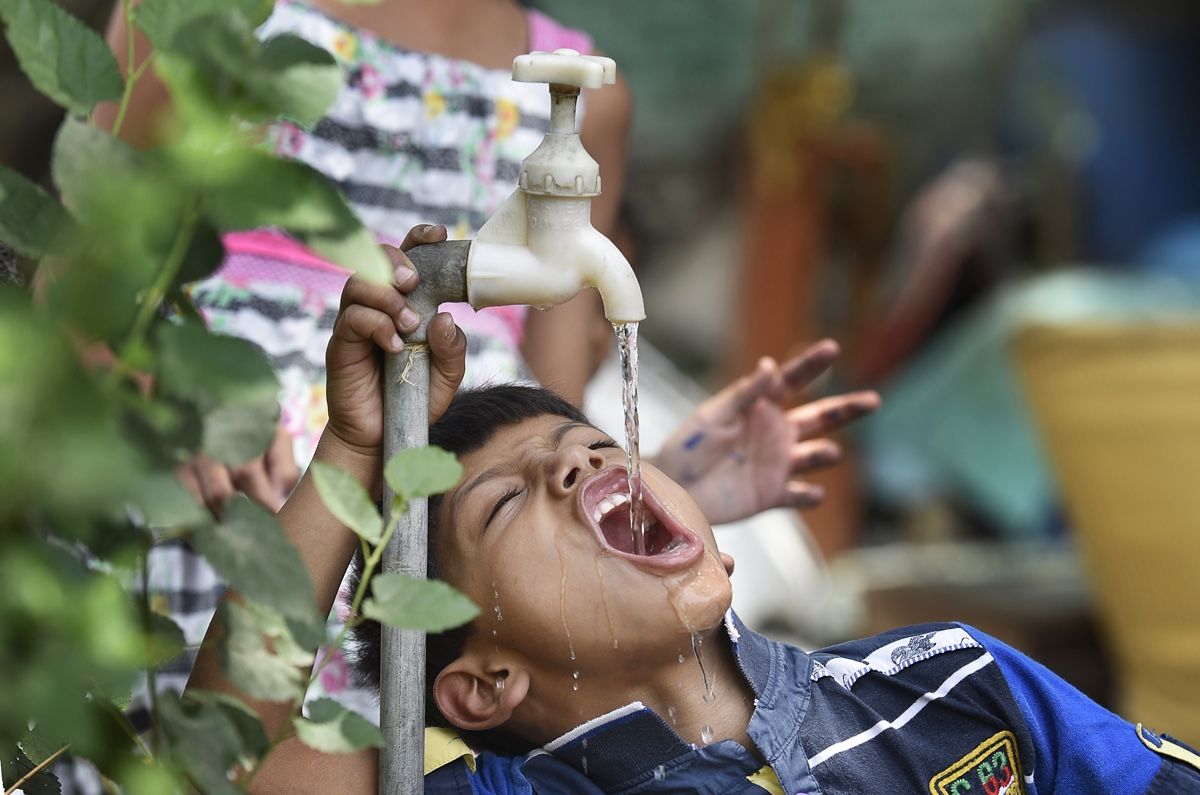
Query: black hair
[[469, 423]]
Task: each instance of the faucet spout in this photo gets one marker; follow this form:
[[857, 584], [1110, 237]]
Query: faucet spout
[[542, 250]]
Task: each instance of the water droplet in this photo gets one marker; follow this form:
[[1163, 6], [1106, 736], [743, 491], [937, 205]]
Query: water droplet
[[572, 653], [660, 773], [584, 766], [709, 696], [575, 684], [672, 713], [706, 734], [583, 743], [499, 683], [681, 658], [499, 615]]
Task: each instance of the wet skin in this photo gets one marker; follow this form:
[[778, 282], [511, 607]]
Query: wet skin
[[522, 524]]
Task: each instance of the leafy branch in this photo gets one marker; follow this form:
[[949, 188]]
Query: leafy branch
[[88, 463], [38, 768]]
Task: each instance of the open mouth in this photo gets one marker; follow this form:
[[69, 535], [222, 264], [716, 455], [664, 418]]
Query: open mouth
[[668, 544]]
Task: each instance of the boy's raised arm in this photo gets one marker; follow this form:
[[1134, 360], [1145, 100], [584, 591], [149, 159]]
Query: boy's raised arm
[[371, 317]]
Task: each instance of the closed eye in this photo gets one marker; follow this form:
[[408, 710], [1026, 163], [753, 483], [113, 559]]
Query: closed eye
[[602, 444], [500, 503]]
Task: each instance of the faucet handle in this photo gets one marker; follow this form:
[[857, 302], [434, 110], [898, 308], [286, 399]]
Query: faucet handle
[[565, 67]]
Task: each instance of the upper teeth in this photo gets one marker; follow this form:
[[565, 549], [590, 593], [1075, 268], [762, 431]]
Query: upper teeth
[[607, 504]]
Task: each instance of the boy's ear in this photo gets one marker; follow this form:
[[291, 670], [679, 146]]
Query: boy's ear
[[475, 696]]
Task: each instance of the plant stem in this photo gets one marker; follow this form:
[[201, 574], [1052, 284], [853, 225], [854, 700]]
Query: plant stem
[[131, 73], [38, 768], [158, 290], [368, 569]]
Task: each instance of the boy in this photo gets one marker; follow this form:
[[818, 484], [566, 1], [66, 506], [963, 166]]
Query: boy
[[594, 669]]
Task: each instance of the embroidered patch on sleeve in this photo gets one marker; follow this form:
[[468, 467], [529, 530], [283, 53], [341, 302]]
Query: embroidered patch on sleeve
[[991, 769]]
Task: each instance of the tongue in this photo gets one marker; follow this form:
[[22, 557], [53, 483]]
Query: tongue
[[618, 531]]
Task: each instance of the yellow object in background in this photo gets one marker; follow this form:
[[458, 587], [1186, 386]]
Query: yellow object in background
[[1119, 410]]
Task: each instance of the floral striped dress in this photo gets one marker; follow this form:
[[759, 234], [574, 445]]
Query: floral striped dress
[[413, 138]]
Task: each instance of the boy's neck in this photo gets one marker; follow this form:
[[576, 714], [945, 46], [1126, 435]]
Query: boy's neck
[[701, 706]]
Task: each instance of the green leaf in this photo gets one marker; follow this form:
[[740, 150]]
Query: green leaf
[[249, 550], [212, 368], [348, 501], [164, 503], [39, 745], [229, 380], [309, 632], [204, 742], [150, 777], [160, 20], [258, 81], [85, 160], [421, 472], [31, 221], [250, 189], [105, 183], [204, 255], [260, 655], [405, 602], [333, 729], [63, 451], [111, 631], [356, 250], [17, 764], [235, 433], [164, 642], [62, 57], [254, 739], [299, 80]]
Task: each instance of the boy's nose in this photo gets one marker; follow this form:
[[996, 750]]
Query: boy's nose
[[571, 465]]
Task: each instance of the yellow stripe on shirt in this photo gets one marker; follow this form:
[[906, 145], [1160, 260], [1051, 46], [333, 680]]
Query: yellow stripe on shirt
[[767, 779], [443, 746]]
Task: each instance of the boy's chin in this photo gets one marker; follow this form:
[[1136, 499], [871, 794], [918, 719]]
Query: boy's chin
[[700, 598]]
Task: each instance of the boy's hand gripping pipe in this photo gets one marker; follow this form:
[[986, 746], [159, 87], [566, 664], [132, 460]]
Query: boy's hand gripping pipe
[[539, 249]]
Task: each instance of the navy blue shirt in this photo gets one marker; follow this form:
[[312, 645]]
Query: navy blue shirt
[[938, 708]]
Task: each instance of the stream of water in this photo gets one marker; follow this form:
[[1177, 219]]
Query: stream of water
[[627, 346]]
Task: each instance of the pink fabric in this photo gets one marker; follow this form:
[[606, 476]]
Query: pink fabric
[[271, 244], [547, 35]]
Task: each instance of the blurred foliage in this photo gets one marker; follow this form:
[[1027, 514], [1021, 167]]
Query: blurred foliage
[[89, 451]]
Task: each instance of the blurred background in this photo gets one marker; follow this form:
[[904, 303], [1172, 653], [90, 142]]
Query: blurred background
[[995, 208]]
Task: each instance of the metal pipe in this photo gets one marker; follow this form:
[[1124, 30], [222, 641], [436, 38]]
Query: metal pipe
[[442, 268]]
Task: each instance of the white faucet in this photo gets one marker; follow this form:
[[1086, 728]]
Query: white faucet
[[540, 247]]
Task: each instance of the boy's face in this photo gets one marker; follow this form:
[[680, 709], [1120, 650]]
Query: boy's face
[[538, 535]]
